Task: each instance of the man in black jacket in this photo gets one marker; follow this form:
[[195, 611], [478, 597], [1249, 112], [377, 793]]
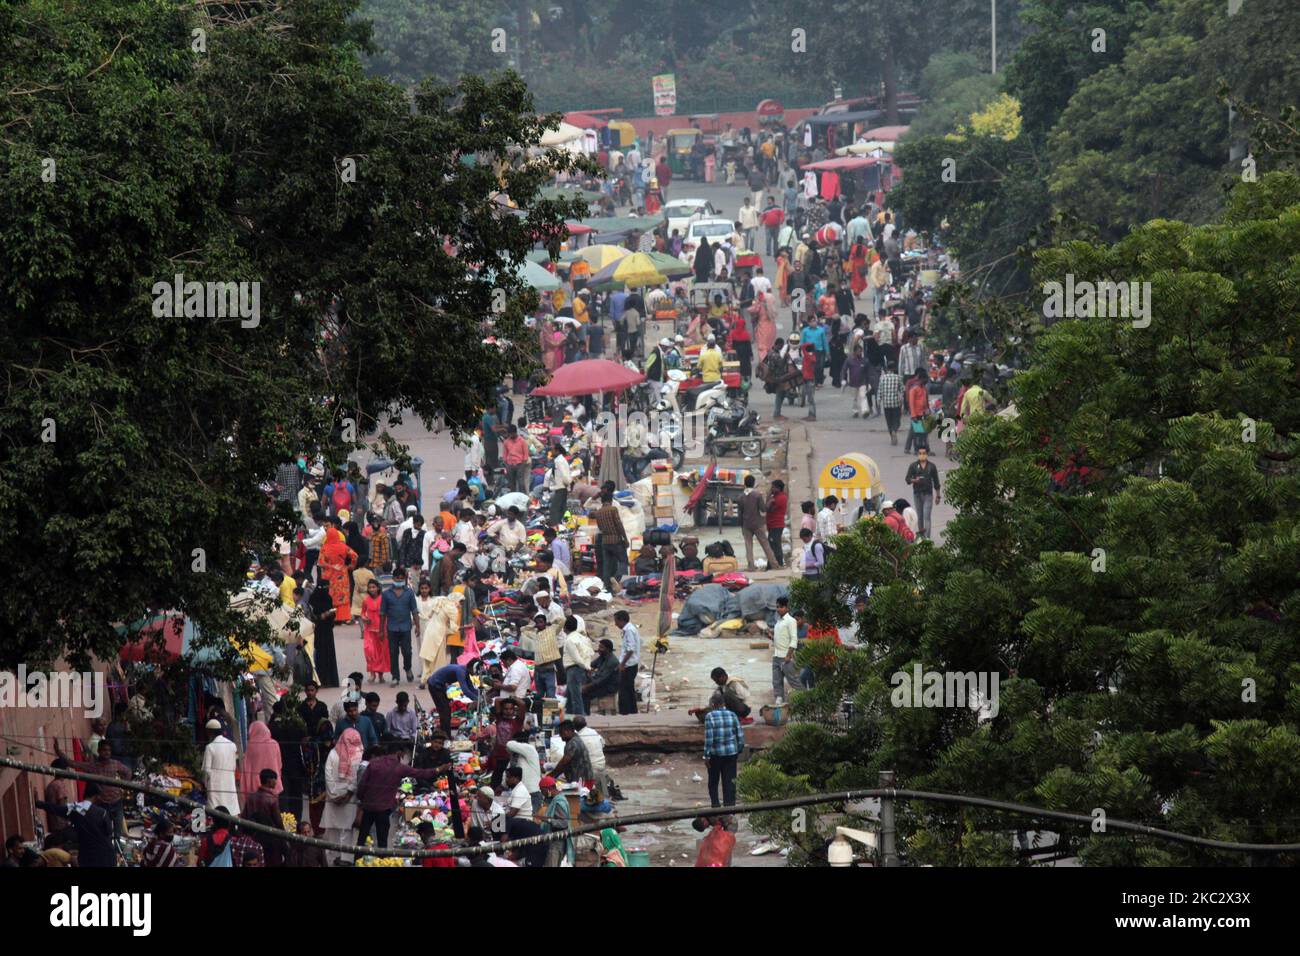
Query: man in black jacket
[[604, 673]]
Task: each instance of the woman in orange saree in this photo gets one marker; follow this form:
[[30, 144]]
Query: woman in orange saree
[[858, 268], [336, 560], [782, 277]]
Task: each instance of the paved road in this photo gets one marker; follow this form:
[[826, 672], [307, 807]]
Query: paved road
[[836, 431]]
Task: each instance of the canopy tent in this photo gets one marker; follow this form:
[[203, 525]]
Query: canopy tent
[[851, 476], [613, 224], [834, 119], [887, 133], [867, 148], [589, 377], [567, 133], [531, 274], [841, 164]]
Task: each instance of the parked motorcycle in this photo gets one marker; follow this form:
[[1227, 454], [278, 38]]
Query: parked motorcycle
[[733, 420]]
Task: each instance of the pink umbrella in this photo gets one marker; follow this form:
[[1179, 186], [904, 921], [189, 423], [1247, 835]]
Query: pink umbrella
[[589, 377]]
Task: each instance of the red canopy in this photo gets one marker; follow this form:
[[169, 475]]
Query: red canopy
[[584, 120], [885, 133], [589, 377]]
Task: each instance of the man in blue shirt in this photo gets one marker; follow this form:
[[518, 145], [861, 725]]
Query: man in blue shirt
[[443, 678], [628, 663], [814, 333], [353, 720], [397, 615], [723, 741]]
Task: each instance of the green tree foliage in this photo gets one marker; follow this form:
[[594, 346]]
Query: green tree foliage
[[1057, 53], [1145, 137], [953, 87], [227, 165], [442, 41], [1124, 557]]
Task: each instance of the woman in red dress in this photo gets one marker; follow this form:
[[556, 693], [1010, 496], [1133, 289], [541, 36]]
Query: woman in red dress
[[858, 268], [374, 643]]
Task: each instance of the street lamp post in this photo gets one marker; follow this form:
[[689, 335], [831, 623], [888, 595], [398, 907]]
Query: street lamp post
[[993, 12]]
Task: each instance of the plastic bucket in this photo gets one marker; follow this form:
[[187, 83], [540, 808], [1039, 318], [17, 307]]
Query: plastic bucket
[[638, 858]]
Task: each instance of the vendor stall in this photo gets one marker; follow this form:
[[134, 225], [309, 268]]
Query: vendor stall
[[852, 477]]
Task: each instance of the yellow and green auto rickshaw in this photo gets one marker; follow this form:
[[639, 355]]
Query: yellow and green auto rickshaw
[[679, 146]]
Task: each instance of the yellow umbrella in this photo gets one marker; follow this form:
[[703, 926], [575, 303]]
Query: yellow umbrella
[[598, 257], [637, 270]]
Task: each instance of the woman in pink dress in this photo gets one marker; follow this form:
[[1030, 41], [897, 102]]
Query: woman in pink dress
[[376, 647]]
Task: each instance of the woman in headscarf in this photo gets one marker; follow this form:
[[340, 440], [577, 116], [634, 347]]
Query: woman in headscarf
[[341, 769], [703, 265], [373, 642], [323, 613], [262, 753], [315, 750], [358, 543], [764, 309], [336, 562], [611, 848]]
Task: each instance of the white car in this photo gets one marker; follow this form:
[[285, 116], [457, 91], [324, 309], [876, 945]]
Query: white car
[[714, 229], [680, 213]]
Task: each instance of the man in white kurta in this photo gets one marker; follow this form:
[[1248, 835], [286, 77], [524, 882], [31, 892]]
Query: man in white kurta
[[220, 761]]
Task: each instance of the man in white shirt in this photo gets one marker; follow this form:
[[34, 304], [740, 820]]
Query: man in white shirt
[[405, 525], [474, 455], [486, 813], [884, 328], [595, 745], [577, 657], [517, 681], [560, 482], [467, 529], [220, 760], [510, 532], [828, 519], [761, 284], [517, 799], [785, 640], [546, 604], [748, 221], [523, 756]]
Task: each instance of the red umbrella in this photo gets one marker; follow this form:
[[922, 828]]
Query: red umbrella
[[589, 377]]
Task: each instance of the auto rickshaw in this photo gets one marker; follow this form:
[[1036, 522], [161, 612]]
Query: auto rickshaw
[[679, 143], [622, 135]]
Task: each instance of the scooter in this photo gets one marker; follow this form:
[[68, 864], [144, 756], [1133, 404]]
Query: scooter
[[697, 399]]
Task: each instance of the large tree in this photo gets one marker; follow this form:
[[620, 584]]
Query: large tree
[[137, 444], [1123, 557]]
